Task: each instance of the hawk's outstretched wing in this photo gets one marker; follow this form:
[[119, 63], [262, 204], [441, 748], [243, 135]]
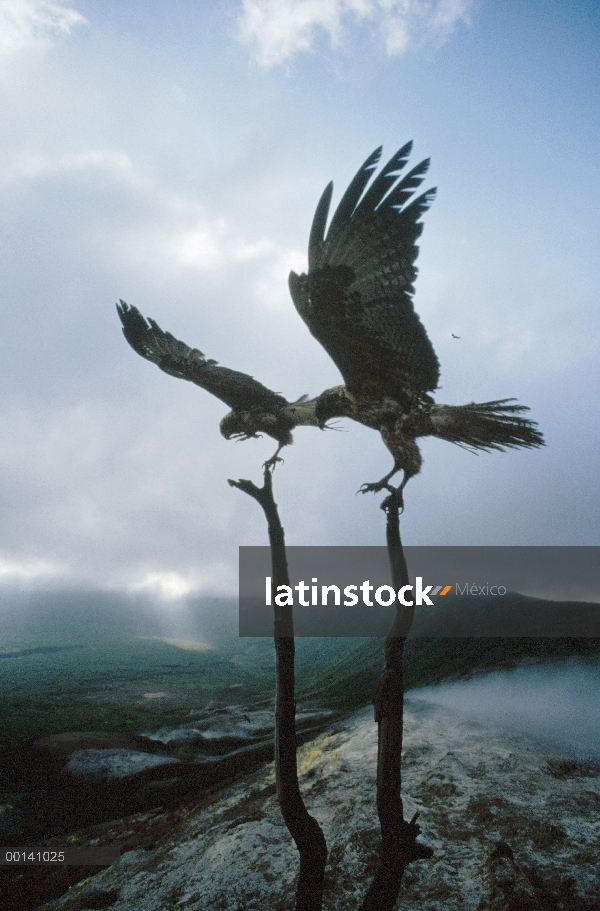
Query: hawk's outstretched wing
[[238, 390], [357, 297]]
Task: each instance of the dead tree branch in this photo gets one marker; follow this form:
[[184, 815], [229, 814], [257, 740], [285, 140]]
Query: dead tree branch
[[304, 829], [399, 838]]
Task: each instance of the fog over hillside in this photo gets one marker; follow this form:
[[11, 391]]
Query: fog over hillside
[[557, 704]]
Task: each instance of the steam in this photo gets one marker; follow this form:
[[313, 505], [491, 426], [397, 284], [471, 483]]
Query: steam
[[557, 704]]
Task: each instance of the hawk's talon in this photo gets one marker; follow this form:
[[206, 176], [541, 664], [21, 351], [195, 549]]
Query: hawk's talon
[[272, 462], [375, 487]]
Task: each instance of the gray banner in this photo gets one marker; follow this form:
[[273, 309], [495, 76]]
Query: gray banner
[[58, 857], [455, 591]]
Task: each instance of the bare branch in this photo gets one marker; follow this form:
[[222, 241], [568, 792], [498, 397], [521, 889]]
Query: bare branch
[[399, 845], [304, 829]]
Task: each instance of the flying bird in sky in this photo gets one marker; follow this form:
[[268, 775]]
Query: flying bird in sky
[[356, 300]]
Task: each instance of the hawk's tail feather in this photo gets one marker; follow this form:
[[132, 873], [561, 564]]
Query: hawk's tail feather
[[486, 426]]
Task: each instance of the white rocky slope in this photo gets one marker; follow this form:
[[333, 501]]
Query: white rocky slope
[[474, 786]]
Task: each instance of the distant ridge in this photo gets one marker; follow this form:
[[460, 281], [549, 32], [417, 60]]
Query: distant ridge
[[341, 672]]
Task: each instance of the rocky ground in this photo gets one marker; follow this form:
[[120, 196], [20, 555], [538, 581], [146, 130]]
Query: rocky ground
[[513, 828]]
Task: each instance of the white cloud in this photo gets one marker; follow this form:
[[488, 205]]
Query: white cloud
[[405, 22], [28, 166], [271, 285], [33, 23], [210, 245], [202, 247], [140, 225], [28, 570], [166, 584], [247, 251], [276, 30], [172, 585]]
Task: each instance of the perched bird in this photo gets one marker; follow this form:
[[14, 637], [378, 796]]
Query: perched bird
[[356, 300], [255, 409]]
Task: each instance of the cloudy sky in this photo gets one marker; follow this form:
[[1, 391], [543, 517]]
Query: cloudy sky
[[172, 154]]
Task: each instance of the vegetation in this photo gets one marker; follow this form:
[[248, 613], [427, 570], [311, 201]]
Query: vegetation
[[63, 669]]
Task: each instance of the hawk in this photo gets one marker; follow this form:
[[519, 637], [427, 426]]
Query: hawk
[[356, 300]]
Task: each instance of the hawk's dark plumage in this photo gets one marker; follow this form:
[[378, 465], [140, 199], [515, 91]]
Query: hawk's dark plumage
[[253, 407], [357, 302], [238, 390], [357, 297]]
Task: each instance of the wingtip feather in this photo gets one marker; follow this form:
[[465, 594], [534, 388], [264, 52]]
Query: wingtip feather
[[317, 231], [351, 198]]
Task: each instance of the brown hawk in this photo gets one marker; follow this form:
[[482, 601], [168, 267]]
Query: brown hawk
[[357, 302]]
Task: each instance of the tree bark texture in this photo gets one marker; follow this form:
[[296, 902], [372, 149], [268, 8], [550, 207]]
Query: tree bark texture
[[304, 829], [398, 837]]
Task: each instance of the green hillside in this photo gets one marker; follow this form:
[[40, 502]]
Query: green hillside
[[93, 661]]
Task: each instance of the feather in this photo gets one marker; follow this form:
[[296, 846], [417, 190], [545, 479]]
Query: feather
[[349, 200], [356, 299], [486, 426], [405, 189], [385, 179], [317, 231], [357, 302], [238, 390]]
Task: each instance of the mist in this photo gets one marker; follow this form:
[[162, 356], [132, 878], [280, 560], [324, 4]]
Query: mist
[[558, 704]]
